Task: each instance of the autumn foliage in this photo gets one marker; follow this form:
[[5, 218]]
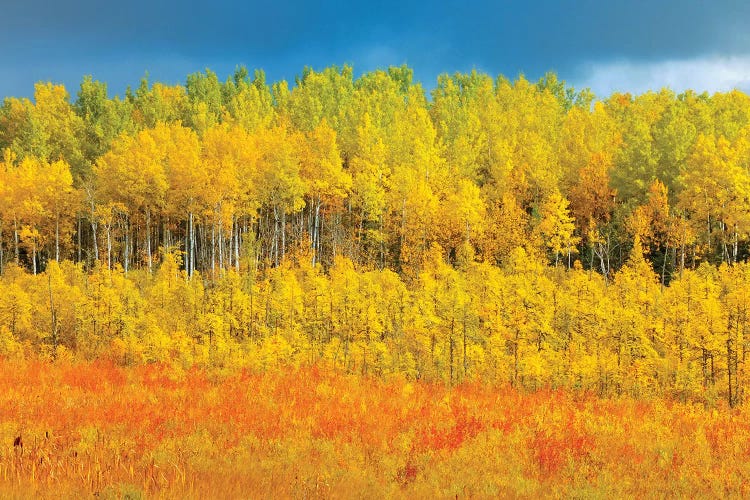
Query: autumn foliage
[[525, 324], [240, 173], [348, 287]]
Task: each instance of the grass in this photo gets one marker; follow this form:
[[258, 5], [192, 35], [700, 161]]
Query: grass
[[159, 431]]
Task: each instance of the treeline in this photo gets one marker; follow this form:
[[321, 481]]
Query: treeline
[[524, 323], [372, 169]]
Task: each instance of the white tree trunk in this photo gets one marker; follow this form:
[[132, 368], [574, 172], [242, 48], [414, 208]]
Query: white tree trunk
[[148, 239], [15, 240], [108, 228], [127, 244], [33, 256], [57, 237]]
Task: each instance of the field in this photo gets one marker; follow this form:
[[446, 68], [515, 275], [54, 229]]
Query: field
[[81, 429]]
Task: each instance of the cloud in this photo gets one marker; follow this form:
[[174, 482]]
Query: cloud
[[711, 74]]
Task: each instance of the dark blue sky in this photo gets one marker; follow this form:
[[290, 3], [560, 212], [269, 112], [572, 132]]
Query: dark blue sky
[[607, 45]]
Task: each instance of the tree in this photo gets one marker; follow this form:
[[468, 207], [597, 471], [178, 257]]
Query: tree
[[556, 227], [249, 104], [158, 103], [638, 159], [634, 332], [103, 119], [734, 339], [456, 110], [507, 229], [417, 179], [522, 128], [205, 101], [715, 194], [132, 176], [327, 183], [526, 316], [461, 220], [279, 183], [319, 96], [189, 185], [48, 129], [449, 310], [59, 200], [370, 183]]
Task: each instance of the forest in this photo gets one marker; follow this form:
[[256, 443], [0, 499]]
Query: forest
[[489, 230]]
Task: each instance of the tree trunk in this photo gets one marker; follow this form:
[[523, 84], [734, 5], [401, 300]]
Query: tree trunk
[[33, 255], [275, 246], [57, 237], [236, 244], [94, 236], [186, 246], [80, 230], [204, 253], [664, 267], [94, 223], [15, 240], [283, 234], [220, 234], [316, 233], [213, 248], [148, 239], [321, 224], [127, 244], [162, 226], [191, 245], [682, 250], [2, 261], [108, 228]]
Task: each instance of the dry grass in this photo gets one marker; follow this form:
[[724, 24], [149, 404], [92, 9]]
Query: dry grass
[[77, 430]]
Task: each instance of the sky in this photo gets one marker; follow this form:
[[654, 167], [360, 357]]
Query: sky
[[608, 46]]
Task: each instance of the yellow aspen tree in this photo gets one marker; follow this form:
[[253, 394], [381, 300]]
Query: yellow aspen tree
[[734, 341], [636, 336], [132, 175], [7, 172], [251, 103], [455, 111], [716, 187], [446, 301], [556, 228], [345, 302], [507, 228], [461, 220], [223, 151], [279, 183], [690, 313], [490, 352], [159, 103], [393, 299], [527, 319], [188, 179], [61, 201], [327, 183], [370, 184]]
